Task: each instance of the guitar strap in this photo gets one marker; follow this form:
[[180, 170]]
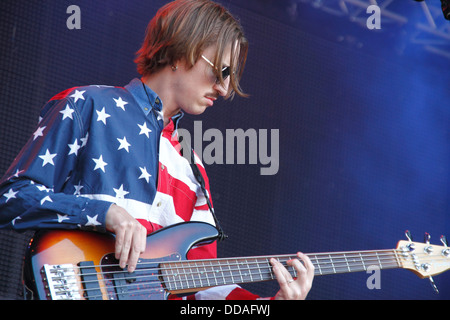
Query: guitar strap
[[198, 175]]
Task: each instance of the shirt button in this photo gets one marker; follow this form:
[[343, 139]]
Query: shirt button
[[157, 101], [146, 109], [158, 204], [162, 167]]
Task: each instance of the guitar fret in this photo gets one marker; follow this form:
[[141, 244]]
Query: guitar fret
[[259, 269], [346, 261], [362, 261], [204, 272], [317, 265], [248, 268], [214, 273], [332, 263], [192, 275], [356, 260], [198, 274], [239, 270], [379, 261], [185, 277], [231, 273]]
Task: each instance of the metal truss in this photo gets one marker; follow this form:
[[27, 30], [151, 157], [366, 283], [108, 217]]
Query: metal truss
[[430, 30]]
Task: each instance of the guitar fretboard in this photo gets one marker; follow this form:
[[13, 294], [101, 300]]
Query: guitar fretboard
[[185, 275]]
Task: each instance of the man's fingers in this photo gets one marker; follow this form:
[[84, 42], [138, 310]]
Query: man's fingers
[[282, 275], [130, 236], [291, 289], [137, 247]]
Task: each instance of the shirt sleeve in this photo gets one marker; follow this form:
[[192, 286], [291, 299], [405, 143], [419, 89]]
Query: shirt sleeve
[[31, 192]]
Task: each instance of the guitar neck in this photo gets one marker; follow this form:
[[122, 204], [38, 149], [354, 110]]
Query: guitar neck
[[184, 276]]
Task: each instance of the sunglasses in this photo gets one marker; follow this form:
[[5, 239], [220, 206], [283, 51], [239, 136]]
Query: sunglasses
[[225, 70]]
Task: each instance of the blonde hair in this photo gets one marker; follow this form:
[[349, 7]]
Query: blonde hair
[[183, 29]]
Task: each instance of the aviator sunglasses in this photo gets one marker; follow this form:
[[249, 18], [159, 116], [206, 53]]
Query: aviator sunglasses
[[225, 70]]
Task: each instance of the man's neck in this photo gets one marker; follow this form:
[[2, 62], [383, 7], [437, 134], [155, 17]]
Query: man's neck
[[160, 83]]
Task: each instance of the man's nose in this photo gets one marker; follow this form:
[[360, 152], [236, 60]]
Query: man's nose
[[222, 89]]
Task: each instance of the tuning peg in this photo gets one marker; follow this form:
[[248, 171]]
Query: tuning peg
[[411, 246], [428, 249], [444, 240], [446, 251], [427, 238], [408, 235]]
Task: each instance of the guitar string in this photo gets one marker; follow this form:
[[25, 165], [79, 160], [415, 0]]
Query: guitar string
[[326, 256], [337, 265], [238, 262]]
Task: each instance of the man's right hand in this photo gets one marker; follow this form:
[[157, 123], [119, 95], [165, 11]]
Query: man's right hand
[[131, 236]]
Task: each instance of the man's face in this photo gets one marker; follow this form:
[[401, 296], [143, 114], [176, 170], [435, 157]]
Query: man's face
[[197, 88]]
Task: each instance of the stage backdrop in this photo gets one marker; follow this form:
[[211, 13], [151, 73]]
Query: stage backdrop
[[356, 130]]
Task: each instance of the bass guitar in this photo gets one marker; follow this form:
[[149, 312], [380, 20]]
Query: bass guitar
[[80, 265]]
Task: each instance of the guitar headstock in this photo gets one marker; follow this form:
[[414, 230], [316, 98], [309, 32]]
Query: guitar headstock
[[424, 259]]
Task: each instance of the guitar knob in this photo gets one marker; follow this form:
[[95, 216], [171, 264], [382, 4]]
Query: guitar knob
[[411, 246], [428, 249], [426, 266]]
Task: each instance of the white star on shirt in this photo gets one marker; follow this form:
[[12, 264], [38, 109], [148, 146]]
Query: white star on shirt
[[11, 194], [46, 198], [16, 174], [48, 158], [62, 217], [84, 140], [99, 163], [144, 129], [144, 174], [120, 103], [38, 133], [67, 112], [78, 95], [92, 221], [74, 147], [43, 188], [14, 220], [120, 193], [78, 189], [102, 115], [123, 144]]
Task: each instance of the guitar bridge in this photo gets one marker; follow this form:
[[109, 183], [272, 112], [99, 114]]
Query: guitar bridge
[[61, 282]]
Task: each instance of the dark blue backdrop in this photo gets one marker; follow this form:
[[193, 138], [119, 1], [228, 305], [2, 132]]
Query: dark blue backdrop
[[364, 138]]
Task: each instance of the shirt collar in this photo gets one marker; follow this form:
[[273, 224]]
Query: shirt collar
[[144, 95]]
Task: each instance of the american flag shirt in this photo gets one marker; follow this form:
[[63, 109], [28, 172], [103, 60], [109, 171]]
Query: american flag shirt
[[98, 145]]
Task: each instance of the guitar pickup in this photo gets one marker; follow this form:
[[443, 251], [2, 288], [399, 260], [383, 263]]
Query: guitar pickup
[[89, 279]]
